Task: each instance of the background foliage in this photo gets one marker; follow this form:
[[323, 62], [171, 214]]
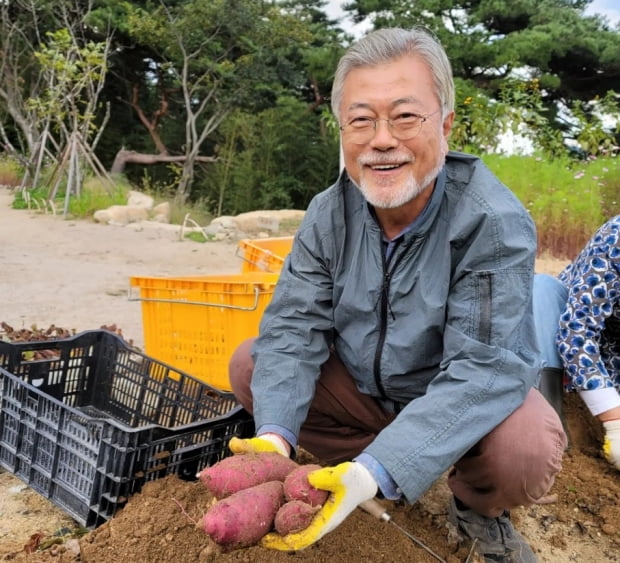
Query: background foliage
[[230, 100]]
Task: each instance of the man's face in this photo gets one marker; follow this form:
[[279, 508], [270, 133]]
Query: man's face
[[389, 171]]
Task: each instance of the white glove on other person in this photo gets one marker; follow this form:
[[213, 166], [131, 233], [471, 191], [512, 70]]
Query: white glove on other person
[[611, 445]]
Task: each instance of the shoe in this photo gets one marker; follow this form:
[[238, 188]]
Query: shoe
[[497, 540]]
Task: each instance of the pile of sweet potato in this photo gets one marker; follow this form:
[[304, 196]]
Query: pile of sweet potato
[[258, 493]]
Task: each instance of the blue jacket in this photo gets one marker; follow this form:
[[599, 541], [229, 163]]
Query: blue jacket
[[443, 330]]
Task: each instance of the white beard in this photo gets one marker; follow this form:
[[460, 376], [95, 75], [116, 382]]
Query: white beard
[[400, 194]]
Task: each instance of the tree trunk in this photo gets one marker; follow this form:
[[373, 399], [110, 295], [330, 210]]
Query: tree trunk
[[124, 157]]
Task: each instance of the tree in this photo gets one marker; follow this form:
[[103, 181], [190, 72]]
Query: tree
[[214, 55], [74, 77], [493, 44], [276, 158], [20, 79], [50, 82]]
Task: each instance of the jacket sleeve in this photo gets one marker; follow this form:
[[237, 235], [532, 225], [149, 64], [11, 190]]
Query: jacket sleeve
[[295, 332]]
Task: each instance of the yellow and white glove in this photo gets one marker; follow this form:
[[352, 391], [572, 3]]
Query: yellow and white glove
[[259, 444], [611, 445], [350, 484]]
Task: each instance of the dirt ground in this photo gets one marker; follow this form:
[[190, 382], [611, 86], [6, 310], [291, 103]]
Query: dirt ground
[[74, 274]]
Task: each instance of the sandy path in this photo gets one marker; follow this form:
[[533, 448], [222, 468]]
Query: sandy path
[[75, 274]]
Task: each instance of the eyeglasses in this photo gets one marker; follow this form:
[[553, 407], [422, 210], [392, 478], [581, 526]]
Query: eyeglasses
[[405, 126]]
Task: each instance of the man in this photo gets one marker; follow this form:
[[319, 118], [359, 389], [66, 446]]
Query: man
[[400, 334], [586, 300]]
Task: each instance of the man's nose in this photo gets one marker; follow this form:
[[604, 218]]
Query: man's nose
[[383, 136]]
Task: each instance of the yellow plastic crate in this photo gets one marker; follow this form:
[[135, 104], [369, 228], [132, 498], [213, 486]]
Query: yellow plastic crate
[[196, 323], [264, 255]]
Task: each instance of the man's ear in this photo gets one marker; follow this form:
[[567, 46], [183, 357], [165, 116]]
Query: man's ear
[[448, 121]]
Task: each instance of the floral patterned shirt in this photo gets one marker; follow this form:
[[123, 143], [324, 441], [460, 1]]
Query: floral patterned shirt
[[589, 336]]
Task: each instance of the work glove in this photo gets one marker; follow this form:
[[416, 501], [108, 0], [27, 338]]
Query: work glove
[[611, 444], [349, 483], [258, 444]]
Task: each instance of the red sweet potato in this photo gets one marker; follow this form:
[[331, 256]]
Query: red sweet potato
[[243, 471], [297, 487], [294, 516], [243, 518]]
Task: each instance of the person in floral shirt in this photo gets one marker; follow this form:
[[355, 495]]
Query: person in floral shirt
[[588, 339]]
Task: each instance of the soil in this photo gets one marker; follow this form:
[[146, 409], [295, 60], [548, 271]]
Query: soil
[[74, 274]]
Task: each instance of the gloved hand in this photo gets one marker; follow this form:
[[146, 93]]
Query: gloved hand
[[611, 445], [259, 444], [350, 484]]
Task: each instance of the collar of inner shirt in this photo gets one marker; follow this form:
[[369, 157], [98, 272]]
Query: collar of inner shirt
[[390, 244]]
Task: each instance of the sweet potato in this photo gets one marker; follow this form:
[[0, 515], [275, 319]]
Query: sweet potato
[[297, 487], [243, 471], [294, 516], [243, 518]]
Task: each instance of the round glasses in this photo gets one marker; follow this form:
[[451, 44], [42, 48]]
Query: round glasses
[[360, 130]]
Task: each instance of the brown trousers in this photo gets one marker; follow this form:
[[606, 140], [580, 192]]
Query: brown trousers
[[514, 465]]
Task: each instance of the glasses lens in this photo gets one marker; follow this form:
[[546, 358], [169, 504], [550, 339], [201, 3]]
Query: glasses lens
[[362, 133]]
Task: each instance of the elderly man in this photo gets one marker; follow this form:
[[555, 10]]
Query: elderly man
[[400, 343]]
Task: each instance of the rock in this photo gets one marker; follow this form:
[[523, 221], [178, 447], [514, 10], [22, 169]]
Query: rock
[[73, 545], [267, 220], [161, 213], [121, 215], [224, 222], [257, 221], [253, 224], [213, 229], [138, 199]]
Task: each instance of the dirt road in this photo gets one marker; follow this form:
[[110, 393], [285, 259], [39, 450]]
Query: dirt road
[[76, 273]]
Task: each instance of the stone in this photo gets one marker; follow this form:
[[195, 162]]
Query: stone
[[161, 213], [121, 215], [138, 199]]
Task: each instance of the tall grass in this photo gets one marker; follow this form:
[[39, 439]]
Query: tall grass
[[95, 195], [10, 172], [567, 199]]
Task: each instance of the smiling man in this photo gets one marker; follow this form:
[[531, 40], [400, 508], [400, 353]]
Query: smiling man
[[400, 344]]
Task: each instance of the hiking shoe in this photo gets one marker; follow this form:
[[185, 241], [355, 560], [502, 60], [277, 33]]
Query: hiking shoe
[[497, 540]]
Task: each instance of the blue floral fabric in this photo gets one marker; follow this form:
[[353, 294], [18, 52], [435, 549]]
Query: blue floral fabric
[[589, 336]]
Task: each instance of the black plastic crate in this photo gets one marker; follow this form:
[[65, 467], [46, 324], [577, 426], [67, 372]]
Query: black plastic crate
[[86, 421]]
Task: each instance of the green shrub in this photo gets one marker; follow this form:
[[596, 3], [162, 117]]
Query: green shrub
[[96, 194]]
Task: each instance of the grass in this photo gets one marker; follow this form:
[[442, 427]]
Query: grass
[[567, 199], [96, 195], [10, 172]]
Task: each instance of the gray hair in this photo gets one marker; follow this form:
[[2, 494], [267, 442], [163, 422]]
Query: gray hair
[[385, 45]]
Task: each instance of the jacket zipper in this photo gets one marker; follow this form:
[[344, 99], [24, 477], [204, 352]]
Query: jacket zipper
[[385, 309], [485, 308], [485, 311]]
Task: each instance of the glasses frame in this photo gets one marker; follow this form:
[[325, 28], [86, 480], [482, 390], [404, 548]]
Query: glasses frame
[[423, 119]]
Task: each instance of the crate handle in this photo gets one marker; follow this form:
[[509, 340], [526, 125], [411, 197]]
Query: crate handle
[[131, 297], [255, 262]]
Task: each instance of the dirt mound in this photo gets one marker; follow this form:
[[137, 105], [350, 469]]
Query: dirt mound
[[160, 523]]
